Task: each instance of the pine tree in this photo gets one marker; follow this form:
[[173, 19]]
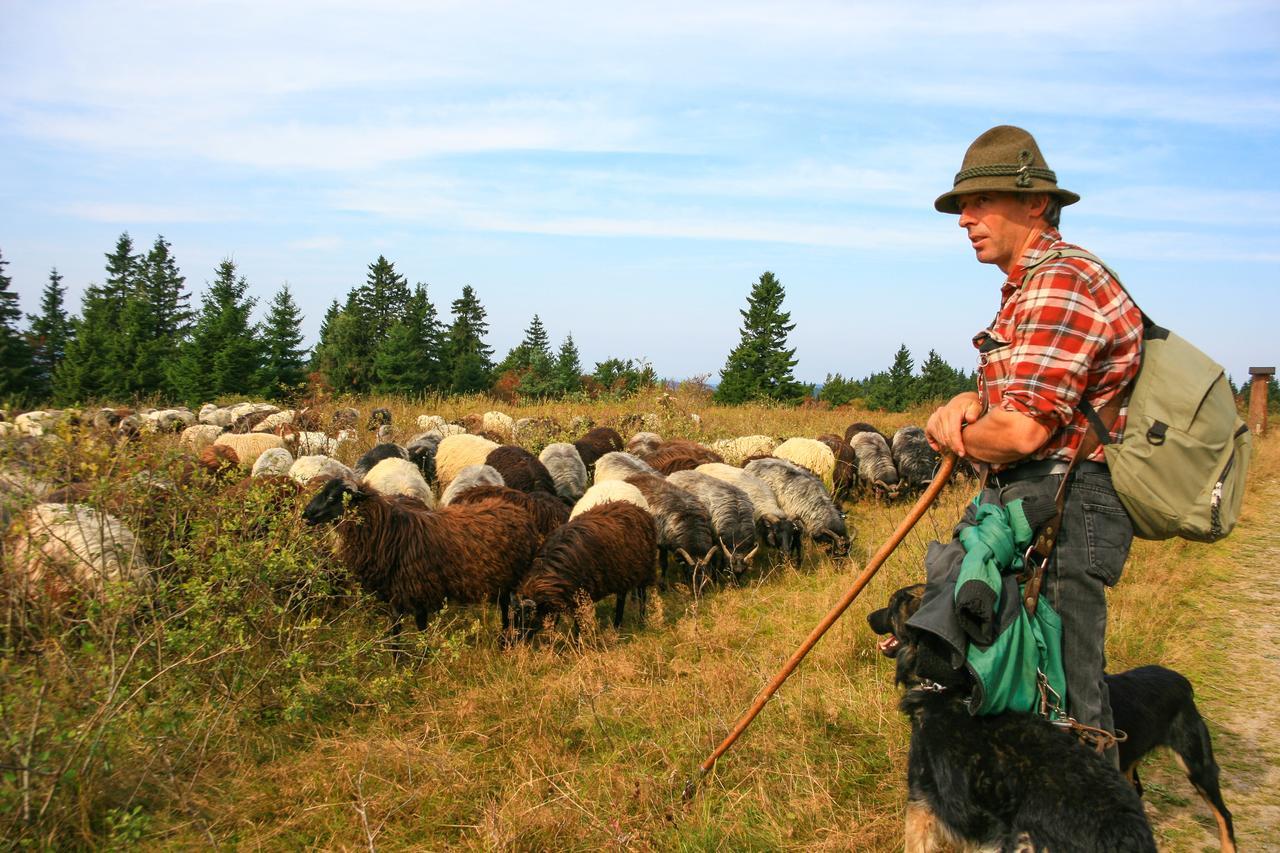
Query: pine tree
[[398, 362], [50, 334], [901, 387], [468, 358], [428, 339], [158, 319], [939, 380], [223, 354], [99, 358], [127, 314], [283, 371], [759, 367], [383, 297], [15, 353], [568, 367]]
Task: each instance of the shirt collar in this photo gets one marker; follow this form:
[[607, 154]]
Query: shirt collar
[[1039, 247]]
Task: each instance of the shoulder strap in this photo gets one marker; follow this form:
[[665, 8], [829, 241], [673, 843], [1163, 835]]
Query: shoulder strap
[[1056, 254]]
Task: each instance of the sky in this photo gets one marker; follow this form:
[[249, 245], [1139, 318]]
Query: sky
[[627, 171]]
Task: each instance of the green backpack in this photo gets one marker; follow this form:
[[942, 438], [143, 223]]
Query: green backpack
[[1180, 468]]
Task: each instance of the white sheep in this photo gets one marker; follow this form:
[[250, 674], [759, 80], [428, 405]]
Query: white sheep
[[470, 477], [72, 545], [610, 490], [619, 465], [215, 416], [168, 420], [457, 452], [198, 437], [313, 443], [273, 461], [249, 446], [395, 476], [306, 468], [735, 451], [499, 423], [430, 422], [274, 421], [811, 454], [565, 466]]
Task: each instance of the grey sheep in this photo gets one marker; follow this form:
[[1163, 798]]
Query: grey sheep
[[875, 464], [732, 516], [914, 458], [376, 454], [684, 526], [802, 496], [567, 470], [468, 478], [775, 527]]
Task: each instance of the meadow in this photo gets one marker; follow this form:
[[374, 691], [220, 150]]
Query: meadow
[[249, 698]]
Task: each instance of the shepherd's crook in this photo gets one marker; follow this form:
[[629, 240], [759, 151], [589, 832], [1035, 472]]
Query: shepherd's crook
[[917, 512]]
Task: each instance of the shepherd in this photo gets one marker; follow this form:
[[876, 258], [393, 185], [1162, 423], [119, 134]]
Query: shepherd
[[1063, 347]]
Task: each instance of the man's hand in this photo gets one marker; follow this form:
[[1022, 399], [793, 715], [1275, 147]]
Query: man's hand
[[944, 428]]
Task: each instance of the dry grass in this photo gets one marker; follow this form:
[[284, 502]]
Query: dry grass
[[587, 744]]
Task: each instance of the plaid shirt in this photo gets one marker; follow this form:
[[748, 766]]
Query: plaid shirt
[[1070, 331]]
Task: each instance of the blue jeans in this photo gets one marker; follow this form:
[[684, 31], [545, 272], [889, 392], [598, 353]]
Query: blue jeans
[[1089, 556]]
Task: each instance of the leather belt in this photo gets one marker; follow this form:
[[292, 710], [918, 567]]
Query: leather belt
[[1043, 468]]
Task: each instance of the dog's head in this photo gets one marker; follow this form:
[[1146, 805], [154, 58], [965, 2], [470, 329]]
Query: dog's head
[[920, 655]]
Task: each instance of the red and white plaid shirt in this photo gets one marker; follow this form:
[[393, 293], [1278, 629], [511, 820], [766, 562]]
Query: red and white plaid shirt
[[1070, 332]]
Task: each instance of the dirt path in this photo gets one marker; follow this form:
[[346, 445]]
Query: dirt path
[[1243, 709]]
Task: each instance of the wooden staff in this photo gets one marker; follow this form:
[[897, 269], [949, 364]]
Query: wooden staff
[[917, 512]]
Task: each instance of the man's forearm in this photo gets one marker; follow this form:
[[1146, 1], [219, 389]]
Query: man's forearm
[[1002, 436]]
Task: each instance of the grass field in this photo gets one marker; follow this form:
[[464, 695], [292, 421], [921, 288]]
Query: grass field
[[249, 699]]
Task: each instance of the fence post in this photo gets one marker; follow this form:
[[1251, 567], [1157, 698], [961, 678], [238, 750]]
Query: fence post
[[1258, 398]]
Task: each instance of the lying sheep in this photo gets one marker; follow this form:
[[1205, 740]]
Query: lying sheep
[[375, 454], [566, 468], [596, 443], [875, 464], [808, 453], [643, 443], [273, 461], [415, 558], [67, 548], [307, 468], [396, 476], [736, 451], [248, 421], [535, 431], [608, 550], [610, 490], [773, 526], [547, 511], [915, 460], [803, 497], [619, 465], [520, 469], [684, 527], [457, 452], [248, 446], [732, 516], [469, 478]]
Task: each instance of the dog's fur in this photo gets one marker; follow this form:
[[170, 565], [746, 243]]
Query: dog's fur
[[1008, 781]]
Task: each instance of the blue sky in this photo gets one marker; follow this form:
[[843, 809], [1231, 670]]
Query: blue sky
[[627, 171]]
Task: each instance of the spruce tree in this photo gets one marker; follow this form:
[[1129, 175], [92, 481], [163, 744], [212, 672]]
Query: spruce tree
[[50, 334], [223, 354], [468, 358], [128, 315], [15, 354], [99, 358], [398, 362], [346, 354], [759, 367], [383, 297], [939, 380], [568, 367], [158, 319], [283, 371], [428, 336]]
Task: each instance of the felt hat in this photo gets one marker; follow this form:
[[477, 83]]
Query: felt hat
[[1004, 159]]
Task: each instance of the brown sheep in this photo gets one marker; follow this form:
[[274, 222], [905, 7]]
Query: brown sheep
[[610, 549], [547, 511], [844, 480], [219, 460], [520, 469], [415, 558], [681, 456], [596, 443]]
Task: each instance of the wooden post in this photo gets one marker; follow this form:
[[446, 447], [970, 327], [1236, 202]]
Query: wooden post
[[1258, 398]]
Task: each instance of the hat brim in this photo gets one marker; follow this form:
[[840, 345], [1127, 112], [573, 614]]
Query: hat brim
[[946, 203]]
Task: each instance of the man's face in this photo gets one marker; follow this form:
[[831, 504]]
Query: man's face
[[999, 225]]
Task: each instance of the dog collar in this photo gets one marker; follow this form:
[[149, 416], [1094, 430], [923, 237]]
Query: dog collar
[[928, 686]]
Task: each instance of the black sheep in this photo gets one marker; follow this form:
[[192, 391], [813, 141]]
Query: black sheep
[[684, 526], [520, 469], [596, 443]]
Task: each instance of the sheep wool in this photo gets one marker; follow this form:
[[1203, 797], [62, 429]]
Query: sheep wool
[[72, 546], [469, 478], [502, 424], [809, 453], [566, 469], [619, 465], [643, 443], [249, 446], [275, 420], [273, 461], [875, 463], [396, 476], [430, 422], [736, 450], [306, 468], [457, 452], [198, 437], [803, 497], [610, 490]]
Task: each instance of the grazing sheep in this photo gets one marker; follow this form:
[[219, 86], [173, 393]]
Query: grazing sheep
[[803, 497], [198, 437], [469, 478], [520, 469], [737, 450], [376, 454], [684, 526], [426, 423], [379, 417], [566, 468], [276, 421], [248, 446], [218, 461], [860, 427], [875, 464], [580, 423], [844, 480], [416, 558], [396, 476], [547, 511], [457, 452], [497, 422], [422, 452], [306, 468], [643, 443], [732, 516], [610, 490], [273, 461], [248, 421], [773, 525], [674, 456], [608, 550], [70, 547], [619, 465], [212, 415], [596, 443], [106, 419], [808, 453], [914, 458], [346, 418], [313, 443]]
